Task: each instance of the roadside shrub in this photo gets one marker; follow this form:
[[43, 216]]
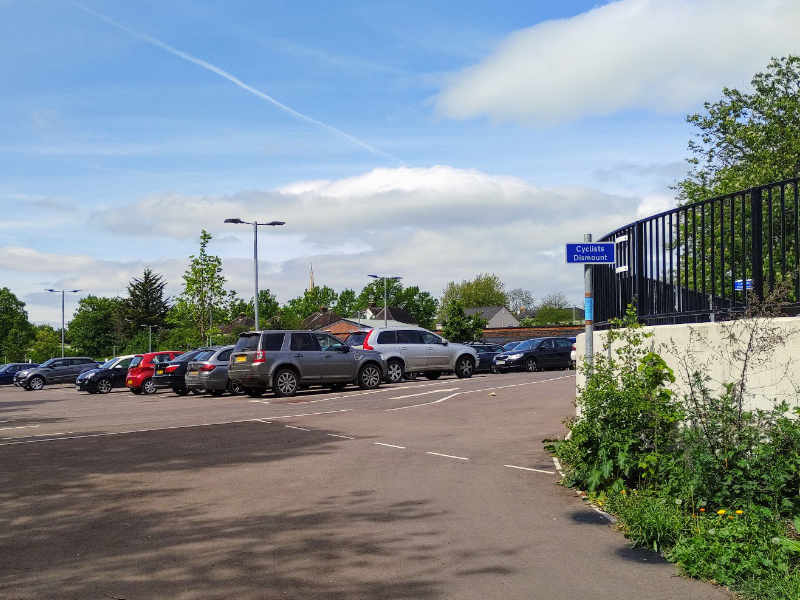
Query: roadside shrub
[[772, 587], [650, 521], [731, 548]]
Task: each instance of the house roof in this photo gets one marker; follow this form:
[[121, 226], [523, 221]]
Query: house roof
[[366, 324], [320, 319], [395, 314], [487, 312]]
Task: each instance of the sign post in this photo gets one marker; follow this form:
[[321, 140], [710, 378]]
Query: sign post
[[589, 254]]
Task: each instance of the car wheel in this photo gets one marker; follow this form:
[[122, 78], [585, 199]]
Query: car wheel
[[531, 365], [433, 374], [285, 383], [103, 386], [181, 390], [36, 383], [217, 392], [369, 377], [148, 386], [464, 367], [395, 371], [254, 392], [195, 391], [235, 388]]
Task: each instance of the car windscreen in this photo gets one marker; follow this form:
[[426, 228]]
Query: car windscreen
[[3, 368], [510, 346], [524, 346], [48, 362], [185, 357], [109, 363], [137, 360], [247, 341]]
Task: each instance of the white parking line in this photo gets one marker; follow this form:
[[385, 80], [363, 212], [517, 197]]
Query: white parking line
[[423, 394], [389, 445], [300, 428], [19, 427], [447, 455], [530, 469], [261, 401], [347, 437], [424, 403]]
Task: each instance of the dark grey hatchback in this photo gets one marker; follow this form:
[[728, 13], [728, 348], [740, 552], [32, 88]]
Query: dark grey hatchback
[[285, 361]]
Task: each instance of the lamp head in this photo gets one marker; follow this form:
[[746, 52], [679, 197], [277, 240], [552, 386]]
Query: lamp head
[[236, 221], [274, 223]]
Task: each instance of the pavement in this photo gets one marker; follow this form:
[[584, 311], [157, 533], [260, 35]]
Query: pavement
[[420, 490]]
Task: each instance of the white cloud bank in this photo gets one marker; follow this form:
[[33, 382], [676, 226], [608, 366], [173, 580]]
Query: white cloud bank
[[430, 225], [631, 54]]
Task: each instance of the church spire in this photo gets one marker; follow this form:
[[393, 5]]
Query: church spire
[[310, 276]]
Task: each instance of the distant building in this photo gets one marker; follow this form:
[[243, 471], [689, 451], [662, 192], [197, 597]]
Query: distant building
[[496, 316], [394, 314]]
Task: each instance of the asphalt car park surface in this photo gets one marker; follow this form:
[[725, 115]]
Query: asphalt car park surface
[[425, 489]]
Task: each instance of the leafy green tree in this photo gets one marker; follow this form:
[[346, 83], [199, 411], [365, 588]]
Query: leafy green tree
[[204, 296], [458, 327], [146, 303], [421, 305], [347, 304], [746, 138], [312, 300], [550, 315], [485, 290], [372, 294], [46, 344], [16, 332], [92, 328]]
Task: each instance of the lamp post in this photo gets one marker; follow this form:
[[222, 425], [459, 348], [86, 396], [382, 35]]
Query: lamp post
[[255, 225], [62, 292], [150, 337], [385, 285]]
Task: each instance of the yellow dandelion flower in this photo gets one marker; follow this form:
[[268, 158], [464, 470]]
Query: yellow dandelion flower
[[623, 492], [739, 512], [721, 511], [702, 510]]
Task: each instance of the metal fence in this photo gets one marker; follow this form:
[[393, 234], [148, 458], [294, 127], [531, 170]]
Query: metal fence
[[704, 261]]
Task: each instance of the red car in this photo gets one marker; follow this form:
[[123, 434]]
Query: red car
[[140, 371]]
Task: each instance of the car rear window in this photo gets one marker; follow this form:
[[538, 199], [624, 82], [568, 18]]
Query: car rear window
[[409, 337], [356, 339], [247, 341], [387, 337], [271, 342], [185, 357], [204, 355], [137, 360]]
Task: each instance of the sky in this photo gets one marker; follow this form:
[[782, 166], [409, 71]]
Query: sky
[[431, 140]]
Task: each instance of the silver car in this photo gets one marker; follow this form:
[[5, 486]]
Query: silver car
[[417, 350], [288, 360], [208, 371]]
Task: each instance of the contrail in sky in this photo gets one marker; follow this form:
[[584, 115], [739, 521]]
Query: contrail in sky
[[235, 80]]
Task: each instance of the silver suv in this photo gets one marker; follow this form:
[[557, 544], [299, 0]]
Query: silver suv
[[208, 371], [288, 360], [417, 350]]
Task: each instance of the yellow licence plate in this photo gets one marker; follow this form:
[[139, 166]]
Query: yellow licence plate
[[241, 359], [160, 372]]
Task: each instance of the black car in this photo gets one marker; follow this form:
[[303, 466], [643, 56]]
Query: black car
[[8, 371], [486, 353], [511, 345], [536, 355], [111, 374], [172, 374], [54, 370]]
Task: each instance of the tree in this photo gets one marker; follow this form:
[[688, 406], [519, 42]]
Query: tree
[[311, 301], [46, 344], [146, 303], [520, 302], [372, 294], [746, 139], [16, 332], [550, 315], [554, 300], [422, 306], [485, 290], [347, 304], [92, 328], [204, 298], [457, 327]]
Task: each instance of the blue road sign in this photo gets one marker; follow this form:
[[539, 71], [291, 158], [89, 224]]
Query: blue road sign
[[591, 253], [739, 286]]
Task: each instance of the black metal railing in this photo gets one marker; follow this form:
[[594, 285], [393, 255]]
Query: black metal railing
[[704, 261]]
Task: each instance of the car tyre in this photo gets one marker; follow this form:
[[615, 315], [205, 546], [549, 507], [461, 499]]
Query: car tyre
[[531, 365], [235, 389], [285, 383], [36, 383], [148, 386], [433, 374], [369, 377], [217, 392], [395, 371], [465, 367], [180, 390], [103, 386]]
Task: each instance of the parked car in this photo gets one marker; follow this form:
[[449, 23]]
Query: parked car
[[208, 372], [287, 360], [140, 372], [573, 355], [486, 354], [536, 355], [8, 370], [356, 338], [111, 374], [173, 373], [511, 345], [54, 370], [417, 350]]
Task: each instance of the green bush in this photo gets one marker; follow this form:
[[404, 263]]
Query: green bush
[[649, 520]]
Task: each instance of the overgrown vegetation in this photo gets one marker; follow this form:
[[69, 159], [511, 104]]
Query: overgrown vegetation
[[700, 476]]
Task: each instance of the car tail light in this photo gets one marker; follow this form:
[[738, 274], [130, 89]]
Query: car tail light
[[366, 345], [261, 357], [573, 347], [172, 368], [207, 367]]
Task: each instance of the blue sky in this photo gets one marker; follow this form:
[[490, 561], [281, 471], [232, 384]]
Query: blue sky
[[114, 152]]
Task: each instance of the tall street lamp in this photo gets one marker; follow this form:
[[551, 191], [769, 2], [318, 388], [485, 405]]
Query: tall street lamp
[[62, 292], [150, 337], [255, 225], [385, 285]]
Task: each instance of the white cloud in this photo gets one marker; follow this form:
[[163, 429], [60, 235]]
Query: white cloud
[[654, 203], [630, 54]]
